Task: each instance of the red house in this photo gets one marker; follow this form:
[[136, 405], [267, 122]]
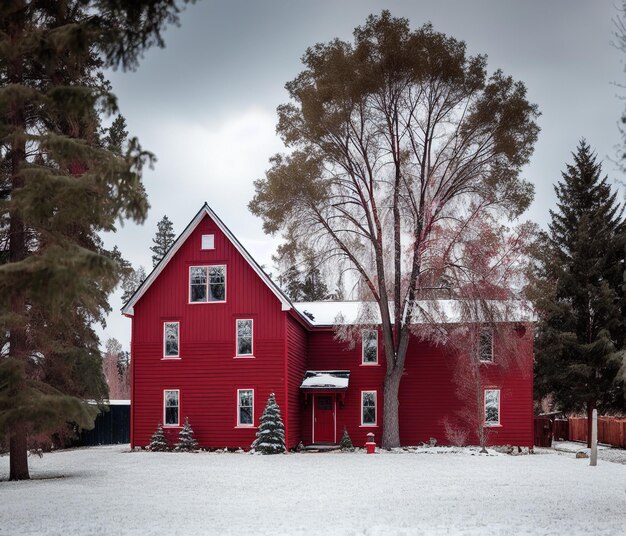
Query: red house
[[213, 336]]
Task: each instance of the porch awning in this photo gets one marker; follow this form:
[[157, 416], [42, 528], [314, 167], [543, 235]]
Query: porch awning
[[325, 380]]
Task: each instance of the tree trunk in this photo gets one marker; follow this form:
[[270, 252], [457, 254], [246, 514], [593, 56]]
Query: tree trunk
[[18, 451], [18, 346], [391, 424], [591, 405]]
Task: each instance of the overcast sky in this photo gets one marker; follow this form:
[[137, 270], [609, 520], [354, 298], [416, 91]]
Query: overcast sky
[[206, 104]]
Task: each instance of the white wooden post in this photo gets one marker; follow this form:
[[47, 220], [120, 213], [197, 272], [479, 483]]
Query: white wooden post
[[594, 439]]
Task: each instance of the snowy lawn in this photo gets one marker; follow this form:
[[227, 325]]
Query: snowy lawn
[[109, 490]]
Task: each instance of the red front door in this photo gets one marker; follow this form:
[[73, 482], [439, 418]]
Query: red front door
[[324, 419]]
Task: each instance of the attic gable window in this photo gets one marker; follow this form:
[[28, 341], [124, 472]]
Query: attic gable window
[[208, 241], [207, 284]]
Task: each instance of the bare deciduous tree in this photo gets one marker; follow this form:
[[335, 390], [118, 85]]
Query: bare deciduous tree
[[401, 145]]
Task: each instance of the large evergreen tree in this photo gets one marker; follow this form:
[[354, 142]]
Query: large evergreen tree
[[577, 289], [163, 240], [63, 179]]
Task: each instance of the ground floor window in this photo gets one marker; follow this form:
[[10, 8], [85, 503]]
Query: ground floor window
[[368, 408], [492, 407], [171, 406], [245, 407]]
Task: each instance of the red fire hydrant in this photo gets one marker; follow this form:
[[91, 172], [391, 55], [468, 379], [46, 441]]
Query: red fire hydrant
[[370, 445]]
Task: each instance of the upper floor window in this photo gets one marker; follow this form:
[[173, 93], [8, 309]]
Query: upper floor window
[[171, 406], [171, 338], [245, 407], [207, 284], [244, 337], [368, 408], [370, 347], [492, 407], [486, 345]]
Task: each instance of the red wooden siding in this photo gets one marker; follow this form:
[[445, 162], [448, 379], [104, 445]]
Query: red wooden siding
[[516, 396], [325, 353], [207, 373], [296, 365], [428, 394]]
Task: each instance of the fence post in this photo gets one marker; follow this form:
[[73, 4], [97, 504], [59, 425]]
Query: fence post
[[594, 439]]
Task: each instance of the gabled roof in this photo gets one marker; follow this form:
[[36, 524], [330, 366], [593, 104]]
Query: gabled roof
[[205, 211]]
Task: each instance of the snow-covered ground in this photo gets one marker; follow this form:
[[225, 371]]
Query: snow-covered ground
[[605, 452], [109, 490]]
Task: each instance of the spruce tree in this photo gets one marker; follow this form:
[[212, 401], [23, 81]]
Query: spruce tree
[[163, 240], [346, 442], [186, 440], [64, 178], [576, 287], [131, 281], [270, 437], [158, 443], [313, 286]]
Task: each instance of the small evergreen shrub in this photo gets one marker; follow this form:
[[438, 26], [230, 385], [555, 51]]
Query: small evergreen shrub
[[158, 443], [186, 441], [346, 442], [270, 437]]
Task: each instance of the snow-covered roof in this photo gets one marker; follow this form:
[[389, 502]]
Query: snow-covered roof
[[325, 379], [329, 313], [205, 211]]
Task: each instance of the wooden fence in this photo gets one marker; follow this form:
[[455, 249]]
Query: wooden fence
[[611, 430]]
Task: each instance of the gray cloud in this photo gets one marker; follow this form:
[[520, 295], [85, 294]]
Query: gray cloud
[[205, 105]]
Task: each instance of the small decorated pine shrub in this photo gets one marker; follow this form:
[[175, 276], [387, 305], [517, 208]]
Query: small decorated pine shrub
[[186, 441], [270, 437], [346, 442], [158, 443]]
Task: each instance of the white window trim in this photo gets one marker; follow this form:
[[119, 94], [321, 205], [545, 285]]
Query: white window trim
[[237, 354], [492, 347], [239, 424], [177, 425], [368, 363], [165, 356], [485, 407], [375, 423], [208, 280]]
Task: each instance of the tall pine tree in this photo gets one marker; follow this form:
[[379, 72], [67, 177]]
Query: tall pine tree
[[576, 286], [63, 179], [163, 240]]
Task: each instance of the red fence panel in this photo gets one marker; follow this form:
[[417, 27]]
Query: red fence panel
[[611, 430], [560, 429]]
